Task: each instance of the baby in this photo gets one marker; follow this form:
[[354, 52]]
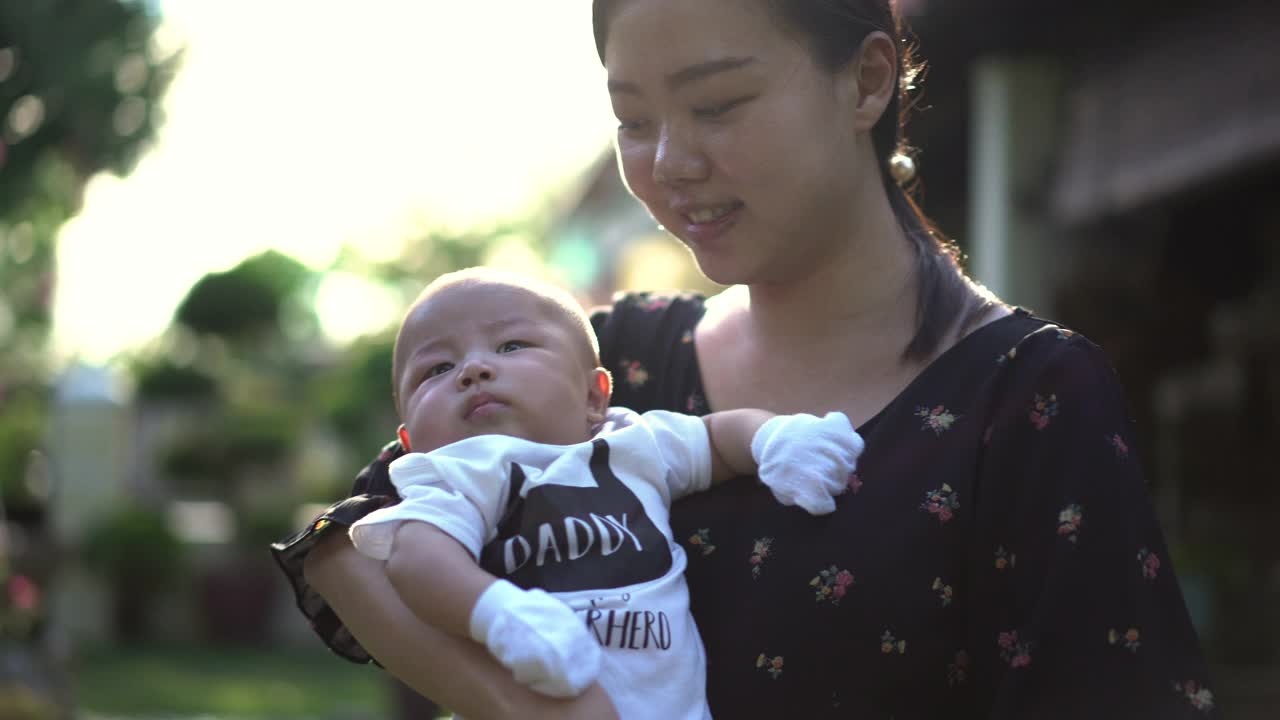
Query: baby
[[535, 517]]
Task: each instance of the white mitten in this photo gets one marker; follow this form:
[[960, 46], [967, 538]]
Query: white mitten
[[537, 637], [806, 460]]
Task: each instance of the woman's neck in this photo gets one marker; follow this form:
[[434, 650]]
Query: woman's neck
[[864, 290]]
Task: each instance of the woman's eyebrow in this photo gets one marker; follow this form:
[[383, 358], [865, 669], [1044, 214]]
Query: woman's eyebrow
[[686, 75]]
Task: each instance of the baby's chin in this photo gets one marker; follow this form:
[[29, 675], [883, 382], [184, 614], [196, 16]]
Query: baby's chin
[[498, 424]]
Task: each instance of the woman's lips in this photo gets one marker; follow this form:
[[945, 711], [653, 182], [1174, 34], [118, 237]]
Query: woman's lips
[[714, 223]]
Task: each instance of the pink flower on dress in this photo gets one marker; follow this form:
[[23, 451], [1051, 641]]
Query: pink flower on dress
[[635, 374], [831, 584], [1121, 447], [760, 552], [771, 665], [1017, 654], [889, 644], [1149, 562], [958, 671], [945, 592], [942, 502], [1042, 410], [1201, 698], [1128, 638], [939, 419], [702, 539], [1004, 558], [1069, 522]]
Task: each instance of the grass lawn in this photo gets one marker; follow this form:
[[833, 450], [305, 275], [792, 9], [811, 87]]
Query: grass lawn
[[215, 683]]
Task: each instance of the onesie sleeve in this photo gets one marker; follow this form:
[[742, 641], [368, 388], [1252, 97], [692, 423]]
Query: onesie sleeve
[[1075, 608], [460, 488], [684, 445]]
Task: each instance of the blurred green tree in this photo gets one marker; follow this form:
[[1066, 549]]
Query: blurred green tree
[[80, 82], [245, 303]]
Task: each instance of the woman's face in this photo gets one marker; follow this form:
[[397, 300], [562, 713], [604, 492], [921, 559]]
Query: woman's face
[[731, 135]]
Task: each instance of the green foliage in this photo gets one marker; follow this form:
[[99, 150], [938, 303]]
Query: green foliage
[[134, 545], [262, 525], [210, 460], [259, 435], [228, 682], [244, 302], [77, 89], [355, 394], [165, 380], [22, 430], [83, 64]]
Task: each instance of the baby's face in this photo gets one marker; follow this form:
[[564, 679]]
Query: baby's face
[[493, 359]]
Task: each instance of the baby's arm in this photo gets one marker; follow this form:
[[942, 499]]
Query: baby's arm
[[436, 576], [730, 433], [804, 459], [540, 639]]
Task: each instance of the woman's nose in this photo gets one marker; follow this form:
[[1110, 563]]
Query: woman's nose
[[677, 158], [474, 370]]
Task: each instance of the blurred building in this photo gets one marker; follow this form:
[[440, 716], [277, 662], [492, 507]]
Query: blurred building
[[1112, 166]]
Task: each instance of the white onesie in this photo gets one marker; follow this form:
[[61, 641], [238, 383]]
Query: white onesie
[[587, 523]]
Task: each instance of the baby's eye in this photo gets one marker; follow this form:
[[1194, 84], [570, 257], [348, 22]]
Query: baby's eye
[[512, 346], [438, 369]]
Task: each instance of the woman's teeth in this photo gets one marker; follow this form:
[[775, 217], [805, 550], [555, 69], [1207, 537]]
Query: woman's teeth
[[698, 217]]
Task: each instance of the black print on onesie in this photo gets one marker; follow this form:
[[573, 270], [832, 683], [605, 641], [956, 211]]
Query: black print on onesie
[[562, 538]]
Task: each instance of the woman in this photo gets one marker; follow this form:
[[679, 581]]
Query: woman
[[996, 554]]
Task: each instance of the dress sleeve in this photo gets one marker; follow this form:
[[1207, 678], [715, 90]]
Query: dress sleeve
[[1075, 608], [372, 490], [646, 342]]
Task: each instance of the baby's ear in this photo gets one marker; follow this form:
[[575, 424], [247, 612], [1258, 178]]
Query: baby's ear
[[598, 394]]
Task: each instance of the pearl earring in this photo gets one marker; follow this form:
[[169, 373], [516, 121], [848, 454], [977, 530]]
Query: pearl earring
[[902, 168]]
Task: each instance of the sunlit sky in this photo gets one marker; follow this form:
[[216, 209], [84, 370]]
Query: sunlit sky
[[306, 125]]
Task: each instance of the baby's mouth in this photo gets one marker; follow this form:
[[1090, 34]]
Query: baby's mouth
[[481, 403]]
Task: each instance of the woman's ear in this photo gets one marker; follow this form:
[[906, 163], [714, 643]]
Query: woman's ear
[[403, 434], [874, 73], [598, 394]]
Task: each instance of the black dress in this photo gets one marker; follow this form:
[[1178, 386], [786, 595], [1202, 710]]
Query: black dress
[[996, 554]]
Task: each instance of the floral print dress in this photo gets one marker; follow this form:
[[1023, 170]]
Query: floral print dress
[[996, 554]]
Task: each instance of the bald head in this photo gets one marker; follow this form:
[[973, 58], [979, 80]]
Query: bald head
[[552, 304]]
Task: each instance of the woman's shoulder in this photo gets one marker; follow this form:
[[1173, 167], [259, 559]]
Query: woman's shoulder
[[1010, 360], [646, 341], [1019, 334], [645, 320], [1031, 363], [1034, 343], [632, 305]]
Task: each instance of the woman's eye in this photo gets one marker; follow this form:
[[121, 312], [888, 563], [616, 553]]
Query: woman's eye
[[438, 369], [631, 127], [512, 346], [712, 112]]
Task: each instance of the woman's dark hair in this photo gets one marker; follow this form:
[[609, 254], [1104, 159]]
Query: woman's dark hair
[[834, 30]]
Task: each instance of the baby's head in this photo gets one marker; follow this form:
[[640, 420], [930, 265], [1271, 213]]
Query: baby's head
[[484, 352]]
